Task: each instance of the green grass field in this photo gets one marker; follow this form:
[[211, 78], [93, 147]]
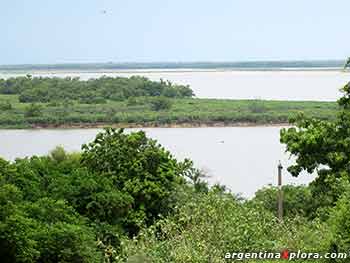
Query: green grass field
[[189, 112]]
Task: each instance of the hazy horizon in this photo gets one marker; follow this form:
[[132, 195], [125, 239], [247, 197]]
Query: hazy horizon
[[90, 31], [181, 62]]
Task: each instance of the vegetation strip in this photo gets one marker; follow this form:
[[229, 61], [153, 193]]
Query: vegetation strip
[[27, 102]]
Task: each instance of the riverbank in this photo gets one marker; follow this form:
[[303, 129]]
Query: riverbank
[[192, 112], [148, 125]]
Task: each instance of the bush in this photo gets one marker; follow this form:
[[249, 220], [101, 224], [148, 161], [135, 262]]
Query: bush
[[54, 104], [257, 106], [33, 110], [58, 154], [93, 100], [339, 223], [132, 101], [160, 103], [5, 106], [204, 229], [297, 200]]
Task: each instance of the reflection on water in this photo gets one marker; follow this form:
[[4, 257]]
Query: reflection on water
[[242, 158]]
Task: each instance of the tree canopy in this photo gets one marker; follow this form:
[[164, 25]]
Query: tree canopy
[[140, 169], [92, 91], [75, 207], [322, 147]]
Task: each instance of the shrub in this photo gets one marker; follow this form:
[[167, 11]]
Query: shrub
[[297, 200], [54, 104], [339, 222], [93, 100], [58, 154], [160, 103], [205, 228], [5, 106], [257, 106], [131, 101], [33, 110]]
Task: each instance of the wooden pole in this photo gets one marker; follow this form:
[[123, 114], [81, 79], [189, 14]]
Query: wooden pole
[[280, 192]]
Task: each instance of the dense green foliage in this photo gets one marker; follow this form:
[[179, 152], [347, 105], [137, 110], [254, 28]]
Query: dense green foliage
[[5, 106], [124, 198], [56, 208], [92, 91], [33, 110], [36, 226], [297, 200], [156, 111], [209, 225], [161, 103], [52, 102], [143, 175], [324, 147]]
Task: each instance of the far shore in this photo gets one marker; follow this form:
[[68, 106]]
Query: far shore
[[185, 70], [147, 125]]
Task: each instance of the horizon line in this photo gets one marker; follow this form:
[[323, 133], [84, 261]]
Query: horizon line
[[121, 63]]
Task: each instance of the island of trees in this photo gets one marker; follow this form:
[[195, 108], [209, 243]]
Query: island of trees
[[27, 102], [93, 91]]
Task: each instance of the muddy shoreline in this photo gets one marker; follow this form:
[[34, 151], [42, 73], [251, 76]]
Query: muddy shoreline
[[149, 125]]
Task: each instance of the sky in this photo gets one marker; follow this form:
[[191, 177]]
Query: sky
[[87, 31]]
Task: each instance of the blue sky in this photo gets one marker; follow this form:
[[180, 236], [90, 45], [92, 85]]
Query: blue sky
[[66, 31]]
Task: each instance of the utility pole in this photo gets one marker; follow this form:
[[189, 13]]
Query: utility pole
[[280, 193]]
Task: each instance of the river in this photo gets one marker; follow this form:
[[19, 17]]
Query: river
[[242, 158]]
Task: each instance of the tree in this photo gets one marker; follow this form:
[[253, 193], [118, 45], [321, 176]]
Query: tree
[[139, 168], [46, 230], [161, 103], [94, 91], [322, 147]]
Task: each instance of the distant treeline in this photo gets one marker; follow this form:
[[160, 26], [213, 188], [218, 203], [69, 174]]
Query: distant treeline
[[92, 91], [182, 65]]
